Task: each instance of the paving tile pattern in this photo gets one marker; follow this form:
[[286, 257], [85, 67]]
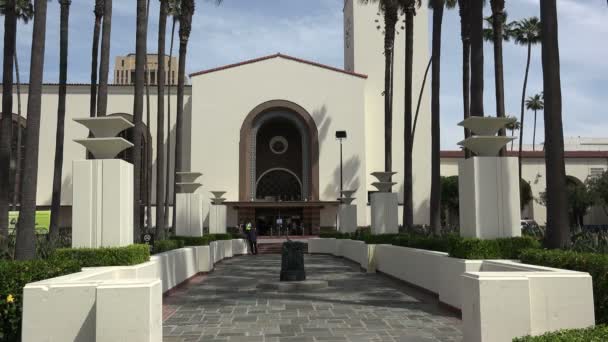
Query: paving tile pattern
[[356, 307]]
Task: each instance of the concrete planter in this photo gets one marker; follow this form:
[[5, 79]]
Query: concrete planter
[[88, 299], [499, 299]]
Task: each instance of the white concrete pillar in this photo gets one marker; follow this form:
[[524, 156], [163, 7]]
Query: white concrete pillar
[[102, 210], [189, 215], [385, 217], [217, 219], [489, 197], [347, 218]]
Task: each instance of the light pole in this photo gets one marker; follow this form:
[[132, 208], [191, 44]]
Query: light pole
[[341, 135]]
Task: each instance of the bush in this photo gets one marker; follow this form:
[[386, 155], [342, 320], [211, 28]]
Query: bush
[[594, 264], [335, 235], [195, 240], [595, 334], [107, 256], [507, 248], [161, 246], [15, 275]]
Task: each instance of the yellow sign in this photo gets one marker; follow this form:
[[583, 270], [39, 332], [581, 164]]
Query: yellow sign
[[43, 221]]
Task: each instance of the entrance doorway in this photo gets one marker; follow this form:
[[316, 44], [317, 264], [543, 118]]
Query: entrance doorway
[[279, 221]]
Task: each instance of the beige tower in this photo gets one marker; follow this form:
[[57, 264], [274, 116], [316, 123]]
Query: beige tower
[[363, 53], [124, 69]]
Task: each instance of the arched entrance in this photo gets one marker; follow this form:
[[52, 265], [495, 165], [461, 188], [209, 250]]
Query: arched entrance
[[279, 169]]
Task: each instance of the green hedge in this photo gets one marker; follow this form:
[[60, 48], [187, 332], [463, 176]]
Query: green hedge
[[507, 248], [202, 240], [594, 264], [456, 246], [161, 246], [14, 275], [107, 256], [596, 334]]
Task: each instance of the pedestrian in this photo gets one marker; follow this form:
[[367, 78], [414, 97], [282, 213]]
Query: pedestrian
[[252, 238]]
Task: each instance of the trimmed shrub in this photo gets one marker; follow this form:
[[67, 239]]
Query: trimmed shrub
[[335, 235], [15, 275], [107, 256], [595, 334], [221, 236], [594, 264], [195, 240], [161, 246], [507, 248]]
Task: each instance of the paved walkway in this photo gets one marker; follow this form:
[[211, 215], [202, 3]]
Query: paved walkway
[[226, 306]]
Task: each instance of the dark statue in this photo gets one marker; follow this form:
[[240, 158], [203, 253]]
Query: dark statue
[[292, 261]]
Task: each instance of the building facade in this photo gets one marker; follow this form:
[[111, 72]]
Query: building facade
[[264, 131], [124, 69]]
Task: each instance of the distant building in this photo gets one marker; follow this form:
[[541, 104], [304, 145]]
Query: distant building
[[124, 70]]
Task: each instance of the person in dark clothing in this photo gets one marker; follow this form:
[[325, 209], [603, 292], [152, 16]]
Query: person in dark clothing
[[252, 237]]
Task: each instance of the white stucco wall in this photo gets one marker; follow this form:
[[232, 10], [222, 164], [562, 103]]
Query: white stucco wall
[[367, 53], [534, 171], [120, 100], [335, 100]]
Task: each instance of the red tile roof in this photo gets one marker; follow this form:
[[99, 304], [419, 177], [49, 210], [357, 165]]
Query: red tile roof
[[536, 154], [278, 55]]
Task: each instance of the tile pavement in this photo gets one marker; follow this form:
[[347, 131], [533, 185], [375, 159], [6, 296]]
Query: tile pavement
[[357, 307]]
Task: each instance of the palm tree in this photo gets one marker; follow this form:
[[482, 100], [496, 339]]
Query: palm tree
[[24, 10], [148, 146], [104, 65], [25, 247], [558, 232], [513, 126], [99, 7], [390, 13], [464, 9], [138, 107], [185, 26], [160, 139], [409, 8], [526, 32], [499, 31], [535, 103], [435, 205], [6, 121], [63, 73], [174, 10], [476, 20]]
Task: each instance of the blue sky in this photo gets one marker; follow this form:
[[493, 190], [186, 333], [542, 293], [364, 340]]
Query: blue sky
[[312, 29]]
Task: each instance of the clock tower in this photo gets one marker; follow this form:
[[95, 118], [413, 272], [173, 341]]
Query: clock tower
[[364, 54]]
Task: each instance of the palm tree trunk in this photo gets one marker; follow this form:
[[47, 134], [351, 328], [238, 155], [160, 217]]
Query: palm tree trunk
[[25, 247], [477, 59], [534, 133], [6, 121], [138, 107], [390, 20], [523, 112], [160, 124], [497, 23], [408, 210], [557, 205], [99, 6], [435, 205], [63, 73], [185, 25], [104, 66], [19, 137], [465, 29], [149, 139], [170, 180]]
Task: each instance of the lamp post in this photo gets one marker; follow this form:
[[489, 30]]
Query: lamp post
[[341, 135]]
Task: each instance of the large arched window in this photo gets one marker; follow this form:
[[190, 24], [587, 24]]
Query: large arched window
[[279, 184]]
